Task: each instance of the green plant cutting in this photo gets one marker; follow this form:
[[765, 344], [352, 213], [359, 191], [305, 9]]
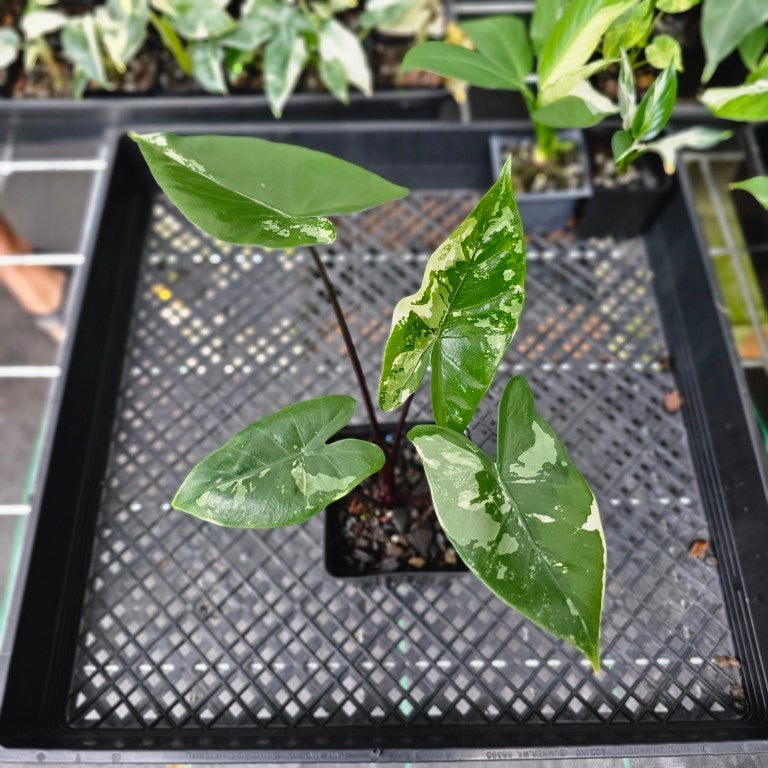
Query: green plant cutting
[[643, 122], [558, 47], [525, 522]]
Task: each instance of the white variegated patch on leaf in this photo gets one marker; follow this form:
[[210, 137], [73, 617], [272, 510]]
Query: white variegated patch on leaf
[[527, 525], [280, 470]]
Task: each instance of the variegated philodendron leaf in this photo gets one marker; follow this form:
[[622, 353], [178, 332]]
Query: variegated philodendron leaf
[[463, 317], [280, 470], [246, 190], [527, 525]]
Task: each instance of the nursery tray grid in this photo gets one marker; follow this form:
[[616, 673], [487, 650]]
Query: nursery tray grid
[[188, 624], [181, 630]]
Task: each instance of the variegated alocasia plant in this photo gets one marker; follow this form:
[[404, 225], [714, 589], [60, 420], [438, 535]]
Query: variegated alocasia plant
[[526, 523]]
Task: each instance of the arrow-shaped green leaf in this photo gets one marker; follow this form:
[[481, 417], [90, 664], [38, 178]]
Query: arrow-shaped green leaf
[[757, 186], [280, 470], [463, 317], [246, 190], [527, 525]]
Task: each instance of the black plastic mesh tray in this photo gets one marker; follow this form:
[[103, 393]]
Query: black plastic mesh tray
[[176, 637]]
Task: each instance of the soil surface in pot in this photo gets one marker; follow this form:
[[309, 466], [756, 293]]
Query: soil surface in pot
[[530, 174], [366, 537], [638, 177]]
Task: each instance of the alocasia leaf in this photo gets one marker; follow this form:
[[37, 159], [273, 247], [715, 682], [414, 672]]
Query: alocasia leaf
[[463, 316], [747, 103], [527, 525], [247, 190], [451, 60], [503, 40], [757, 186], [724, 24], [280, 470], [572, 42], [655, 109]]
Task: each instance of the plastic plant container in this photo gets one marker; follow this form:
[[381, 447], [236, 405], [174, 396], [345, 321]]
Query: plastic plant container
[[616, 211], [141, 634], [549, 210]]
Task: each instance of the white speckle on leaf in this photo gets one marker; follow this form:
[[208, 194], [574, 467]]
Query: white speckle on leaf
[[501, 572], [543, 518], [264, 472], [571, 607], [593, 522]]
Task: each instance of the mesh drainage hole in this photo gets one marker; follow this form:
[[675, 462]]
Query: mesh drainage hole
[[203, 609]]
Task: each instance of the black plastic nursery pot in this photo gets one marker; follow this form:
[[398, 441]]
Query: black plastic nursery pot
[[141, 634], [552, 209], [620, 211], [368, 540]]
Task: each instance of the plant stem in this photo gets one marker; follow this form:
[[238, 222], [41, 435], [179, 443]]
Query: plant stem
[[351, 350], [388, 484]]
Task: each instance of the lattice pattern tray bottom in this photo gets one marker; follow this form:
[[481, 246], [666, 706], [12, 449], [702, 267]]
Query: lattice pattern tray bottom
[[187, 625]]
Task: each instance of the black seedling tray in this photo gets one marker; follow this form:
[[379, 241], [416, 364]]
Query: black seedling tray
[[141, 634]]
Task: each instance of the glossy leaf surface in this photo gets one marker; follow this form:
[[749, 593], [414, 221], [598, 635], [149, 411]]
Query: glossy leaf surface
[[747, 103], [455, 61], [698, 137], [280, 470], [546, 14], [627, 98], [756, 186], [527, 524], [752, 47], [630, 30], [581, 108], [503, 40], [572, 42], [664, 51], [724, 24], [656, 106], [247, 190], [463, 316]]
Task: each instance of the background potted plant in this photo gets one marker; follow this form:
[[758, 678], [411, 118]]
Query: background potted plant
[[170, 46], [562, 41], [527, 523], [642, 188]]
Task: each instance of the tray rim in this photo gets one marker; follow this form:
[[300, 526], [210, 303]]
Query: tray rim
[[629, 743]]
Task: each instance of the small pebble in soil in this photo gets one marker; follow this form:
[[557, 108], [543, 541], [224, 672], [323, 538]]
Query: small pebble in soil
[[637, 176], [367, 537], [531, 174]]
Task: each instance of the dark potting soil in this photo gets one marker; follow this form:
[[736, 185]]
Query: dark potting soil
[[366, 537], [530, 174], [638, 177]]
